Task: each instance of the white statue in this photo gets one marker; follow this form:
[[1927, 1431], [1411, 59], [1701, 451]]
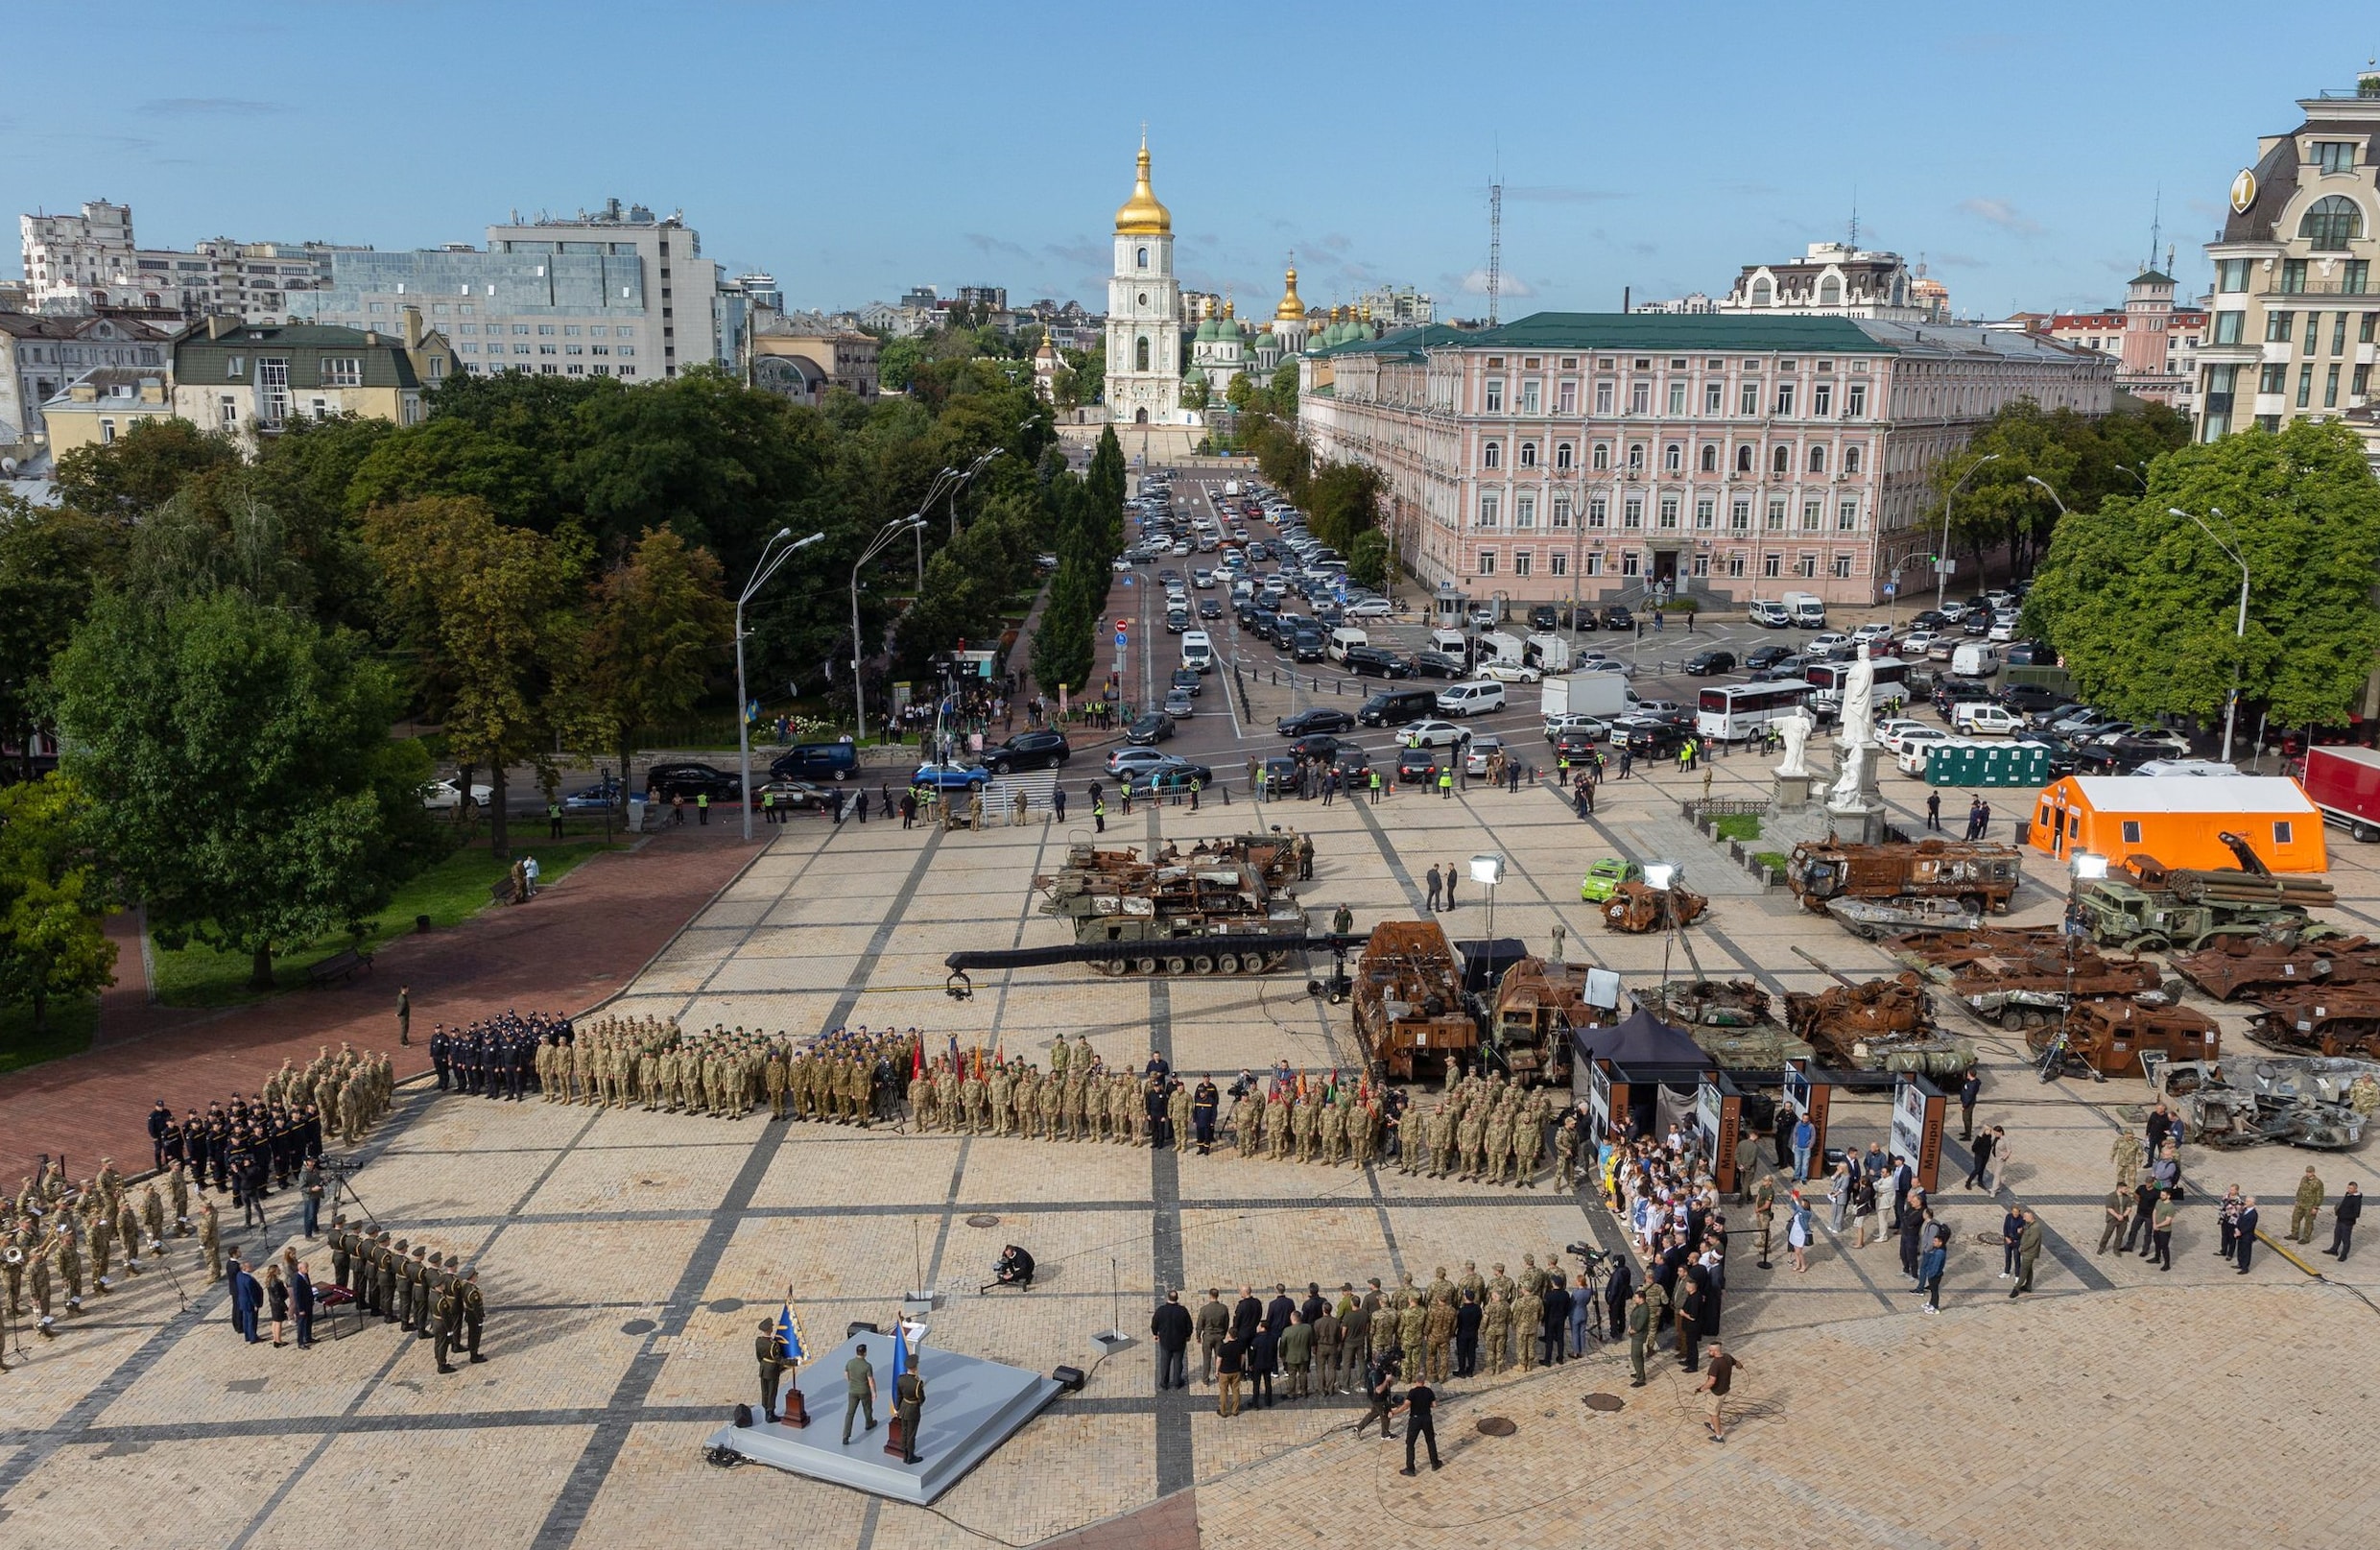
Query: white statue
[[1795, 729], [1858, 703], [1845, 792]]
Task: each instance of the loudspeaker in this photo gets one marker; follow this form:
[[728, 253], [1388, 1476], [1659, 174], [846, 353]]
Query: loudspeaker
[[1068, 1379], [743, 1415], [858, 1326]]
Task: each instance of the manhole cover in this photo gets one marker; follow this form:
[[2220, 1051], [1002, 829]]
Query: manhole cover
[[637, 1326], [1604, 1402], [727, 1304], [981, 1221], [1496, 1426]]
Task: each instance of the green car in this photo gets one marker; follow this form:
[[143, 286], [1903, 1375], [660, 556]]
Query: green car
[[1604, 879]]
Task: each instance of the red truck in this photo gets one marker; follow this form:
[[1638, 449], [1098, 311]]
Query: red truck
[[2344, 781]]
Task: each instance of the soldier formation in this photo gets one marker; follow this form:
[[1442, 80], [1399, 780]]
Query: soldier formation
[[67, 1238], [427, 1294], [848, 1076], [248, 1144], [497, 1057], [1486, 1131]]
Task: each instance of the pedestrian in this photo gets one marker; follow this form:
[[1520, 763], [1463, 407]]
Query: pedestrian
[[310, 1194], [2343, 1217], [1416, 1408], [553, 818], [1805, 1136], [1639, 1333], [1446, 792], [1213, 1326], [2306, 1206], [1058, 803], [1231, 1359], [1171, 1325], [1984, 1144], [703, 807], [2117, 1211], [1862, 1209], [1969, 1089], [1099, 812], [302, 1307], [2003, 1152], [276, 1303], [2247, 1242], [2168, 1207], [1715, 1383], [859, 1392], [2028, 1251], [859, 805], [1375, 788], [1264, 1360], [1450, 885], [1467, 1320], [1437, 886], [404, 1030], [1379, 1390], [1797, 1234], [1934, 811]]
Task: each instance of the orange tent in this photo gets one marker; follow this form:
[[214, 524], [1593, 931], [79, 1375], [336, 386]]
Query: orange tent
[[2179, 819]]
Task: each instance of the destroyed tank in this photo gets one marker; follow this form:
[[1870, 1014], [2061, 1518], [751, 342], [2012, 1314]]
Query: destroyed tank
[[1182, 906], [1411, 1013], [2319, 1019], [1731, 1020], [2020, 978], [1537, 1003], [1979, 876], [2240, 968], [2109, 1038], [1637, 907], [1877, 1025], [2307, 1101]]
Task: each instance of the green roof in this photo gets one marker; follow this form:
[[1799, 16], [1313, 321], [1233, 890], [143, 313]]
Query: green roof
[[1409, 342], [1674, 330]]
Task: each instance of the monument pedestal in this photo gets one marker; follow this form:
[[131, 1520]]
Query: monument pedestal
[[1792, 791], [1856, 823]]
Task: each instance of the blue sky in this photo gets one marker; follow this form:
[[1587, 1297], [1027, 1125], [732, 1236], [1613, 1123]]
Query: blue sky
[[854, 150]]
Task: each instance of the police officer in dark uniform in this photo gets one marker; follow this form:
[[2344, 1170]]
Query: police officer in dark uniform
[[441, 1050]]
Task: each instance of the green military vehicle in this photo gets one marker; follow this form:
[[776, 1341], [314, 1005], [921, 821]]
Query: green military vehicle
[[2144, 906], [1206, 911]]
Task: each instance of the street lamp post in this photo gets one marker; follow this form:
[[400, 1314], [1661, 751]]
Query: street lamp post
[[2239, 631], [858, 651], [1942, 558], [770, 558], [1487, 870], [961, 483]]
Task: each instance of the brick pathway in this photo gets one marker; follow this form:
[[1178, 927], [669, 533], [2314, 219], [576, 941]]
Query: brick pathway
[[580, 942]]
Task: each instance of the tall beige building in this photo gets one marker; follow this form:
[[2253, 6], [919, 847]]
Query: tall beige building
[[2296, 309]]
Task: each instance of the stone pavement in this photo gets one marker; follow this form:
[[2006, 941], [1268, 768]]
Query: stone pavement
[[577, 942], [627, 1255]]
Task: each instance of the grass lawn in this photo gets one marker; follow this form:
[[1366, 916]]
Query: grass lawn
[[71, 1023], [1772, 858], [1739, 827], [449, 893]]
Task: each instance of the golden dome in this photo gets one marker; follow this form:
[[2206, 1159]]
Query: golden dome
[[1141, 215], [1291, 309]]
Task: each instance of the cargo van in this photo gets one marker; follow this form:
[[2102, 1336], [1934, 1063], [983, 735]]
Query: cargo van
[[1395, 708], [1975, 661], [817, 762], [1197, 651], [1472, 699], [1344, 639], [1547, 651], [1453, 642], [1809, 613], [1770, 614]]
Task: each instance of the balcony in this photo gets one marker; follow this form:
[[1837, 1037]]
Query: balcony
[[2351, 286]]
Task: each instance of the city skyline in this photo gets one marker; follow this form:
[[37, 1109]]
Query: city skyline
[[2045, 202]]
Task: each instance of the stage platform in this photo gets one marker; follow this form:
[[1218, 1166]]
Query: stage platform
[[971, 1407]]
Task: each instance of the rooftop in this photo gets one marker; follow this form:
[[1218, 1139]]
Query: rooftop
[[2214, 793], [1656, 331]]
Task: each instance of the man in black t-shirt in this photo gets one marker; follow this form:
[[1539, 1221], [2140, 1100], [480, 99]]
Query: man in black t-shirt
[[1417, 1406]]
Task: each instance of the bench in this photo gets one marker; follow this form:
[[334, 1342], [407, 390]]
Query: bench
[[501, 892], [338, 966]]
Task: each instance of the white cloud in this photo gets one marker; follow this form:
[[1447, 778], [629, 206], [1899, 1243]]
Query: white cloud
[[1475, 283], [2002, 214]]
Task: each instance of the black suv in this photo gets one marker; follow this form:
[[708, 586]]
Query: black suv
[[692, 781], [1439, 665], [1704, 664], [1306, 645], [1616, 618], [1377, 661], [1027, 751], [1544, 616], [1186, 678]]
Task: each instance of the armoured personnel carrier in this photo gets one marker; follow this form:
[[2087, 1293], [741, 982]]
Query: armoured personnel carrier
[[1212, 909], [1978, 876], [2319, 1019], [1411, 1011], [1538, 1002], [2107, 1039], [2236, 968]]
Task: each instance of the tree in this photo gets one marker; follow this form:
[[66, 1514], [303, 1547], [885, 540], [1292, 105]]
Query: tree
[[51, 942], [243, 783], [486, 610], [2141, 605], [659, 627], [1341, 500], [453, 457], [2081, 458], [1241, 393], [1195, 392], [140, 470], [1368, 560], [50, 561]]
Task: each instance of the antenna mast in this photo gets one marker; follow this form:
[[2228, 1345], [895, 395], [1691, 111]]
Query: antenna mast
[[1496, 245]]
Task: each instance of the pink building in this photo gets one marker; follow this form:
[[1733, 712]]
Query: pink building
[[1586, 455], [2156, 341]]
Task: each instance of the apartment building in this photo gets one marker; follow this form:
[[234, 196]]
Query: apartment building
[[90, 262]]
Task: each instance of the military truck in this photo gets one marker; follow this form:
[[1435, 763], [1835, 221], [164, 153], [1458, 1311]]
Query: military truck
[[1411, 1012], [1979, 875], [1214, 909], [2107, 1039], [2146, 907], [1538, 1002]]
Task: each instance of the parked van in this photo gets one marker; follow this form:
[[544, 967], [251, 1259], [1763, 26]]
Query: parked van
[[1809, 613], [1981, 717], [1975, 661], [1197, 651], [1395, 708], [1453, 642], [816, 761], [1470, 698], [1770, 614], [1343, 639]]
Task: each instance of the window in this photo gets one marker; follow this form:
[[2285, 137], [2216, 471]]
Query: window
[[1781, 463], [1520, 563], [1559, 565], [1492, 455], [1714, 397], [1739, 516], [1762, 292], [1529, 397], [1562, 511], [1140, 258], [1706, 513], [1601, 457], [1748, 403], [1598, 508], [1818, 459], [2279, 326], [1772, 565], [1524, 510], [2361, 380], [2282, 832], [2339, 333], [2293, 277], [1495, 395], [1635, 458], [2231, 274], [1490, 509], [235, 368], [1140, 352], [1744, 459], [1632, 512], [107, 431], [1855, 401], [1674, 458], [1640, 398], [1776, 515], [2314, 333], [1784, 398], [1735, 565], [2305, 385], [2335, 155], [1822, 399], [1528, 454], [1486, 562], [1563, 456], [570, 329], [1710, 456], [518, 327], [1847, 516], [1569, 397], [1806, 566], [1830, 292], [2330, 389], [1676, 398], [2230, 327], [1602, 397], [1628, 563], [546, 350], [341, 372], [1594, 564], [2273, 379], [545, 329], [227, 412], [1669, 513], [1811, 511], [2332, 224]]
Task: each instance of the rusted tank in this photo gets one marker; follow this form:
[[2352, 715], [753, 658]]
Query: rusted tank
[[1217, 888], [2320, 1019], [1980, 876], [2320, 1103], [1875, 920], [2109, 1038], [1537, 1003], [1733, 1020], [2020, 978], [1410, 1010], [1637, 907], [1877, 1025], [2234, 969]]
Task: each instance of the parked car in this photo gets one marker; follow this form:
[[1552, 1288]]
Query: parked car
[[1377, 661], [1892, 731], [1604, 879], [444, 796], [1417, 766], [1706, 664], [692, 781], [949, 776], [1544, 616], [1484, 748], [1316, 745], [796, 796], [1981, 717], [1039, 749], [1870, 632], [1171, 774], [2027, 698], [1616, 618], [595, 799], [1509, 673], [1828, 646], [1762, 657], [1152, 726], [1352, 759], [1319, 719], [1439, 665], [1594, 727], [1578, 743], [1434, 733], [1371, 607], [1278, 773]]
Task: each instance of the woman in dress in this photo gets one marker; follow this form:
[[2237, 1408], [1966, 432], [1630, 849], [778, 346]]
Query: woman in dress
[[276, 1301]]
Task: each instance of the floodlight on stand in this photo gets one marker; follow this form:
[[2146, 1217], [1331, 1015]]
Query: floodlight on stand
[[1487, 870], [2089, 868], [1660, 874]]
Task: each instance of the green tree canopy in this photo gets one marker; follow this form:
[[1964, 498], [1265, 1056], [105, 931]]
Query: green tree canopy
[[659, 627], [141, 470], [2141, 605], [51, 942], [51, 560]]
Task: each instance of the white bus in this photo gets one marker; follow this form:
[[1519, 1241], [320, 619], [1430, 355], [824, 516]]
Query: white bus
[[1827, 679], [1741, 710]]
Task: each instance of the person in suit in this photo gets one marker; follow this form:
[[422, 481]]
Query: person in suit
[[2245, 1243], [247, 1301], [1278, 1311], [2343, 1216], [1245, 1315], [1170, 1327], [302, 1307], [1264, 1359]]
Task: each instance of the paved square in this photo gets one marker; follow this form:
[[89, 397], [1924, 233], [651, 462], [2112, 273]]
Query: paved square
[[628, 1256]]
